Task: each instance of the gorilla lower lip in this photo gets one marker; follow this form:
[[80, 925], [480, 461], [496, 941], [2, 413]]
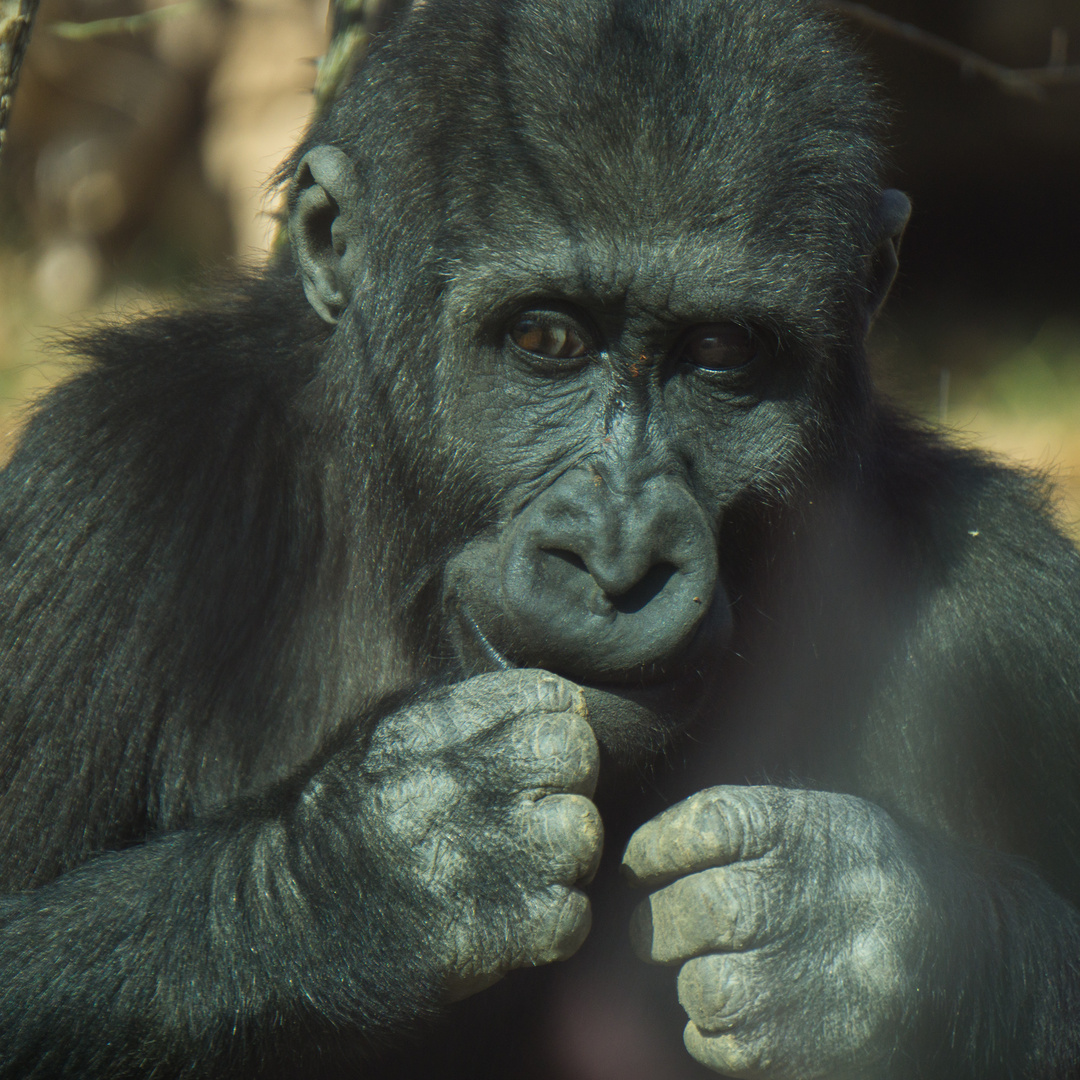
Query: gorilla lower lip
[[645, 680]]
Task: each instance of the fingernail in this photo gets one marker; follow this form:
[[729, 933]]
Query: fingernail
[[559, 695]]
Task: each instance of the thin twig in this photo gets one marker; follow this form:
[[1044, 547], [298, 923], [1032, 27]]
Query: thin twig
[[124, 24], [16, 24], [1027, 82], [352, 23], [349, 34]]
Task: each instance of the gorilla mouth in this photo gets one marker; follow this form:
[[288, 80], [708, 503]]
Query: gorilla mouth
[[633, 717], [473, 645], [611, 583]]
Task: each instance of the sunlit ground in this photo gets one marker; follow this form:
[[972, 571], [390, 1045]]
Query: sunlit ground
[[31, 335], [1012, 392]]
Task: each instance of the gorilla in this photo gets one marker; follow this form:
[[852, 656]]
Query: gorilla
[[534, 500]]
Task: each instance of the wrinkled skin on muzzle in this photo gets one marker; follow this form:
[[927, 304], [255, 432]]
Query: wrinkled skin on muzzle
[[616, 589]]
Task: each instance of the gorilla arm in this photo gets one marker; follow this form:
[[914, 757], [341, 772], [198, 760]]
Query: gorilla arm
[[416, 868], [813, 936], [818, 934]]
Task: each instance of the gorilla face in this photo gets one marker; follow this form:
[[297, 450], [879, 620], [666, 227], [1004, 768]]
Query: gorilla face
[[623, 424], [620, 324]]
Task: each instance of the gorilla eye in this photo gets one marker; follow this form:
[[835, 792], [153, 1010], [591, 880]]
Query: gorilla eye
[[720, 347], [549, 335]]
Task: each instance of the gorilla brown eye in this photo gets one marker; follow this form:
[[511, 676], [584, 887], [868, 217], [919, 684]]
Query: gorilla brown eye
[[720, 347], [549, 335]]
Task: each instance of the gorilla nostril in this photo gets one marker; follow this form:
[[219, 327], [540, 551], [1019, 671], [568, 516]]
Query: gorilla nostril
[[644, 591], [570, 557], [604, 599]]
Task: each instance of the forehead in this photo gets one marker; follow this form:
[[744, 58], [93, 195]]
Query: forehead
[[684, 277], [675, 123], [620, 145], [673, 110]]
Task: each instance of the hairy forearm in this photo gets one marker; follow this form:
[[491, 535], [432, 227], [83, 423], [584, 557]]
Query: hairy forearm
[[999, 993], [206, 950]]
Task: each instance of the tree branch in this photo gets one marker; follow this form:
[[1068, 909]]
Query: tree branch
[[122, 24], [1027, 82], [352, 22], [16, 23]]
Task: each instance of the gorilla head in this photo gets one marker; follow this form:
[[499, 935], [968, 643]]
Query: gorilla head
[[630, 279], [578, 383]]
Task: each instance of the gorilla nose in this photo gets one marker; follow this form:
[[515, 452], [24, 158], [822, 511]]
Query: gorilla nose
[[619, 592], [608, 586], [616, 585]]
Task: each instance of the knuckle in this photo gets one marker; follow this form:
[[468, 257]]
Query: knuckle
[[559, 922], [567, 831], [715, 992], [556, 694], [715, 827], [710, 901], [527, 690], [557, 750], [732, 1055], [736, 899], [573, 921], [749, 818], [581, 759], [565, 742]]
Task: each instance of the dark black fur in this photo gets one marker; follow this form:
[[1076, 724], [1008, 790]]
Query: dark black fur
[[223, 544]]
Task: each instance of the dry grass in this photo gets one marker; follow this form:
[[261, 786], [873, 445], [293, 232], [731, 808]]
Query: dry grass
[[1008, 391], [31, 340]]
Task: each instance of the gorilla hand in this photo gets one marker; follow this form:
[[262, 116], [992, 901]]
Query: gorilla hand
[[795, 916], [478, 797]]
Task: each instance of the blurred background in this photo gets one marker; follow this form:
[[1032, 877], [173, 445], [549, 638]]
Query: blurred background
[[137, 159]]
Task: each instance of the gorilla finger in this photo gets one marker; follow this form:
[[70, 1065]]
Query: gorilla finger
[[558, 923], [722, 909], [719, 992], [458, 987], [567, 833], [478, 706], [714, 827], [523, 691], [552, 752]]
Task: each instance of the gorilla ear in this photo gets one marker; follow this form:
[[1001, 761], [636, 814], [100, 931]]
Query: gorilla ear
[[894, 209], [324, 229]]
